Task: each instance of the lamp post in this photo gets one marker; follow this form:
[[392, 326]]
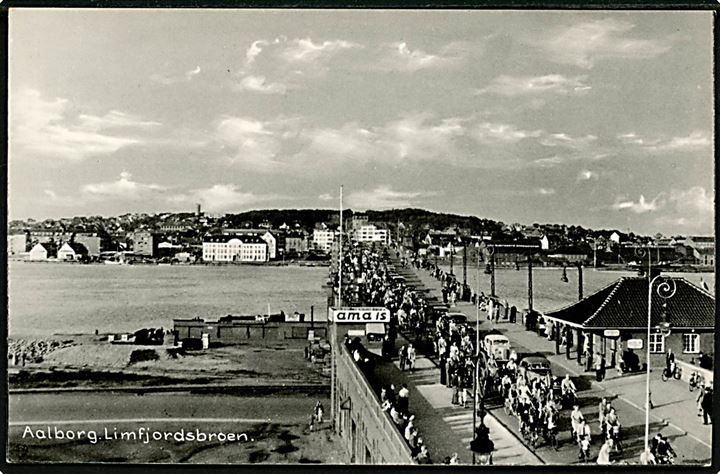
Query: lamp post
[[564, 278], [452, 258], [641, 252], [464, 265], [491, 253], [665, 290]]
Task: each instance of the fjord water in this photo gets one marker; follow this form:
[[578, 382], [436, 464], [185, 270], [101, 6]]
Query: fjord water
[[549, 291], [47, 299]]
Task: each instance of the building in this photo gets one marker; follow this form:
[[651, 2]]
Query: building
[[569, 254], [296, 242], [72, 251], [370, 233], [234, 248], [606, 321], [145, 243], [268, 237], [42, 251], [17, 244], [323, 239], [91, 242]]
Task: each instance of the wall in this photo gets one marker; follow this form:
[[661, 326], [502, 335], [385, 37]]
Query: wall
[[238, 331], [366, 432]]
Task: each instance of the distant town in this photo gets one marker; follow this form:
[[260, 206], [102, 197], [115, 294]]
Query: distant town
[[277, 236]]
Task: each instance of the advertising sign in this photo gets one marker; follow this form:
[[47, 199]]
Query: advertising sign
[[635, 344], [611, 332], [359, 315]]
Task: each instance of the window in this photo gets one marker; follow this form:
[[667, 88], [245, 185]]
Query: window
[[691, 343], [657, 343]]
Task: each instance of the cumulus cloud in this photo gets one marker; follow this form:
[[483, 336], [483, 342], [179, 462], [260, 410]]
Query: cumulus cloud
[[383, 197], [642, 206], [49, 128], [695, 200], [187, 76], [297, 50], [261, 85], [250, 142], [526, 85], [122, 188], [399, 57], [220, 198], [585, 43]]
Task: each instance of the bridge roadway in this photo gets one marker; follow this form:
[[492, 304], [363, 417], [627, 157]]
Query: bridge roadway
[[674, 413]]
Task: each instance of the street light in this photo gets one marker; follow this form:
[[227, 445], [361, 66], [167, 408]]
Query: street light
[[564, 278], [452, 258], [665, 290]]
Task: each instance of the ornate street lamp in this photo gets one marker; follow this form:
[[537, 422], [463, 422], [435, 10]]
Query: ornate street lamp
[[665, 290]]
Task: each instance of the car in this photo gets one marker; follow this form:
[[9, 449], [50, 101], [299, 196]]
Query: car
[[536, 367], [498, 346], [457, 318]]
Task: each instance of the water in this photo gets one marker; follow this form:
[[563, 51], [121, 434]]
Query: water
[[63, 298], [549, 292]]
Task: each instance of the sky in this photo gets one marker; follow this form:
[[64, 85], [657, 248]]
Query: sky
[[598, 118]]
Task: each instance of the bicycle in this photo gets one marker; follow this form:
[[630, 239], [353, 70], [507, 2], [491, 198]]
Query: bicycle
[[676, 374], [696, 381]]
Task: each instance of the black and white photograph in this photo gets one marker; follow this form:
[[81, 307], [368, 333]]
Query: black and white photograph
[[360, 236]]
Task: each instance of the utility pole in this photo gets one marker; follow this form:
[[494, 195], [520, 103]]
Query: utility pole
[[464, 265], [530, 283], [580, 281], [492, 272]]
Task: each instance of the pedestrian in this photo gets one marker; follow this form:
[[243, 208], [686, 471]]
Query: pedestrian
[[706, 405], [576, 417], [602, 412], [699, 399], [404, 400], [411, 357], [604, 454], [319, 410], [403, 357], [584, 430]]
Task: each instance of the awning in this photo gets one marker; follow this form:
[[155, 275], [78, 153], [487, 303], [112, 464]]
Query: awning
[[375, 328]]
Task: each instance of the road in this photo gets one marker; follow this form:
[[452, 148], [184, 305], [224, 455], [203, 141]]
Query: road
[[674, 416]]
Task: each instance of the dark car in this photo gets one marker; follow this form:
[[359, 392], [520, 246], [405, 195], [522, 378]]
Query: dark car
[[457, 318], [536, 366]]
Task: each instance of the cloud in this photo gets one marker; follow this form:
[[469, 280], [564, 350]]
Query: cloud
[[545, 191], [585, 43], [49, 128], [220, 198], [260, 84], [641, 206], [305, 50], [565, 140], [487, 132], [399, 57], [187, 76], [296, 51], [587, 175], [326, 197], [383, 197], [253, 143], [526, 85], [695, 200], [695, 140], [123, 188]]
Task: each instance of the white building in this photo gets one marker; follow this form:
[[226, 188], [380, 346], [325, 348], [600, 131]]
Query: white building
[[41, 251], [264, 234], [323, 239], [16, 244], [72, 251], [235, 248], [370, 233]]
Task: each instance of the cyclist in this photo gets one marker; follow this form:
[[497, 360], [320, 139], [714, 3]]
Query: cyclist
[[568, 389], [576, 417], [664, 451], [670, 363]]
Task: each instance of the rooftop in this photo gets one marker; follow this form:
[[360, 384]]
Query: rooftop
[[624, 304]]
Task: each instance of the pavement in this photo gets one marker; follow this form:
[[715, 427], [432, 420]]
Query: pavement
[[674, 414]]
